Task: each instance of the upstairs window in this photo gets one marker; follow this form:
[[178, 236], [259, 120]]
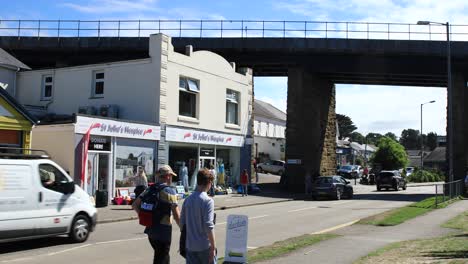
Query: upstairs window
[[47, 87], [232, 107], [98, 84], [188, 91]]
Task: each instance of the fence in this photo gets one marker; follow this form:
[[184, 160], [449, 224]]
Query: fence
[[447, 191], [229, 28]]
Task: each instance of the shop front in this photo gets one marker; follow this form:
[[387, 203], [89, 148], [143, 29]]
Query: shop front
[[15, 123], [197, 149]]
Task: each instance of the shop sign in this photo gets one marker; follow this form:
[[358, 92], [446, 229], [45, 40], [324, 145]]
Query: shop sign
[[236, 239], [294, 161], [97, 143], [202, 137], [206, 152], [113, 128]]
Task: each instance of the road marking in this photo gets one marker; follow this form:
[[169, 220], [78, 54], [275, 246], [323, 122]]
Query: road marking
[[256, 217], [252, 247], [310, 251], [15, 260], [335, 227], [67, 250], [341, 202], [120, 240], [302, 209]]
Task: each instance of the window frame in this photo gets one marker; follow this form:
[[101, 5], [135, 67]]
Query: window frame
[[44, 83], [54, 186], [96, 81], [234, 100], [190, 87]]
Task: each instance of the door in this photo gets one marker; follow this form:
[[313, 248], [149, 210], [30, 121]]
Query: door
[[18, 201], [98, 173], [55, 210]]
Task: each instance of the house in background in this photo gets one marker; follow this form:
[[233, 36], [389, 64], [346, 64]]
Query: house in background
[[436, 159], [269, 131], [15, 121]]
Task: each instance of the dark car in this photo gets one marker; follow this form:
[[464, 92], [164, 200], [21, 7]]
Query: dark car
[[350, 171], [335, 187], [390, 180]]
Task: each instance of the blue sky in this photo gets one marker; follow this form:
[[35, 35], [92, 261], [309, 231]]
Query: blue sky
[[378, 109]]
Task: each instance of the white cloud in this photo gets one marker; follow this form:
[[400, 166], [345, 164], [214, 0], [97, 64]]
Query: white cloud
[[113, 6]]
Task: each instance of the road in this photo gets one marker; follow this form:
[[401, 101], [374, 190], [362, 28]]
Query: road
[[124, 242]]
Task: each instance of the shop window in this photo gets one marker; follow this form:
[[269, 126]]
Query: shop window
[[10, 138], [232, 107], [47, 87], [188, 91], [52, 178], [98, 84]]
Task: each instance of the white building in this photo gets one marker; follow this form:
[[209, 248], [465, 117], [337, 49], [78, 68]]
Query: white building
[[199, 100], [269, 131]]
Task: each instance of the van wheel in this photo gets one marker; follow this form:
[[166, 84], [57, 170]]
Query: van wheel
[[80, 229]]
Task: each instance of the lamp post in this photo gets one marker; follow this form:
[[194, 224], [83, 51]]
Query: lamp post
[[449, 95], [422, 140]]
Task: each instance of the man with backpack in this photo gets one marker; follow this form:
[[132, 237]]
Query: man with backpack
[[155, 208]]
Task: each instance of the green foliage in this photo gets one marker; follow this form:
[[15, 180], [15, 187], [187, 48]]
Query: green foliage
[[431, 141], [345, 125], [391, 135], [410, 139], [357, 137], [390, 155], [425, 176], [373, 138]]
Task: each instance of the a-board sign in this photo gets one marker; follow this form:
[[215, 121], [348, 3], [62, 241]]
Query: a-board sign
[[180, 189], [237, 230]]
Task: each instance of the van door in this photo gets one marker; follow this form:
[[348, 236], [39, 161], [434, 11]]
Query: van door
[[18, 201], [55, 206]]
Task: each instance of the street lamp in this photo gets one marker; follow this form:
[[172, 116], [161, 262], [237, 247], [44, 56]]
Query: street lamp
[[449, 94], [422, 140]]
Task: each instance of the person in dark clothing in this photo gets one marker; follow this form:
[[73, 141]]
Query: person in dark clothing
[[160, 233]]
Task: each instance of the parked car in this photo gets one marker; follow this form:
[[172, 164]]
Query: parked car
[[335, 187], [390, 179], [272, 166], [350, 171], [39, 199]]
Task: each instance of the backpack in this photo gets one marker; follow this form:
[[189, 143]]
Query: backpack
[[149, 214]]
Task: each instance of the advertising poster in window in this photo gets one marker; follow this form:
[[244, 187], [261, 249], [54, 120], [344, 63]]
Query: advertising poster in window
[[133, 156]]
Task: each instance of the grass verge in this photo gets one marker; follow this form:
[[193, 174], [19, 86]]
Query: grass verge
[[400, 215], [448, 249], [284, 247]]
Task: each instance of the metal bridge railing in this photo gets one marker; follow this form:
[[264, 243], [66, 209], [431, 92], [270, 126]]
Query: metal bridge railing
[[229, 29]]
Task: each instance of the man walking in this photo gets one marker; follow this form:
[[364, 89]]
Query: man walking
[[198, 219], [159, 233]]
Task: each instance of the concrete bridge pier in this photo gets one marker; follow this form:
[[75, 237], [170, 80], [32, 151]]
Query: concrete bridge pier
[[310, 128], [460, 125]]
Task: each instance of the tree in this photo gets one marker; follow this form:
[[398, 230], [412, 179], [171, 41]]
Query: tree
[[357, 137], [345, 125], [410, 139], [390, 155], [373, 138], [391, 135], [431, 140]]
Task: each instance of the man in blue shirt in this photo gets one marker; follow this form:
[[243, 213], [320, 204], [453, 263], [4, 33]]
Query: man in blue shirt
[[160, 233], [198, 218]]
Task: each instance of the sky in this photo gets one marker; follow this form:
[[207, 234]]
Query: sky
[[378, 109]]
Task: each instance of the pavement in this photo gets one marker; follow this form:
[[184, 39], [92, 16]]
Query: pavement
[[356, 241]]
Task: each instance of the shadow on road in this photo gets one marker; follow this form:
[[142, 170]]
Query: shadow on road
[[397, 196], [33, 244]]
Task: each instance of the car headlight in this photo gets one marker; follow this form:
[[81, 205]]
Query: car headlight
[[92, 201]]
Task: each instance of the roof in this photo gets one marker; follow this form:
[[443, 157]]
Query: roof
[[17, 106], [267, 110], [10, 61], [437, 155], [412, 152]]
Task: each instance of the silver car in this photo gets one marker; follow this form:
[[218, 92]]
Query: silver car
[[271, 166]]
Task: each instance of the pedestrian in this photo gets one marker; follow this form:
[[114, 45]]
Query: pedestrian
[[213, 185], [254, 162], [244, 180], [197, 218], [140, 181], [160, 231]]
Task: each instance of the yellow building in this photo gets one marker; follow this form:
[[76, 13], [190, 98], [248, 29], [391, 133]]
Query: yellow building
[[15, 121]]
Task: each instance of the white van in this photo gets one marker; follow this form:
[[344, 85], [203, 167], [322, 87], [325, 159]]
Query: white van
[[38, 199]]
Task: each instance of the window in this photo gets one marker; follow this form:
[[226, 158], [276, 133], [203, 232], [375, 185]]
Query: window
[[52, 178], [47, 85], [98, 84], [232, 107], [188, 90]]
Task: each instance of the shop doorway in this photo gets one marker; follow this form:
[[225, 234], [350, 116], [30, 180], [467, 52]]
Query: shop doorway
[[178, 156], [98, 173]]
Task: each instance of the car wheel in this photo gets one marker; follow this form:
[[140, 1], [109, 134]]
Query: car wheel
[[395, 186], [404, 187], [80, 229], [378, 188], [350, 194], [338, 194], [260, 169], [280, 173]]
